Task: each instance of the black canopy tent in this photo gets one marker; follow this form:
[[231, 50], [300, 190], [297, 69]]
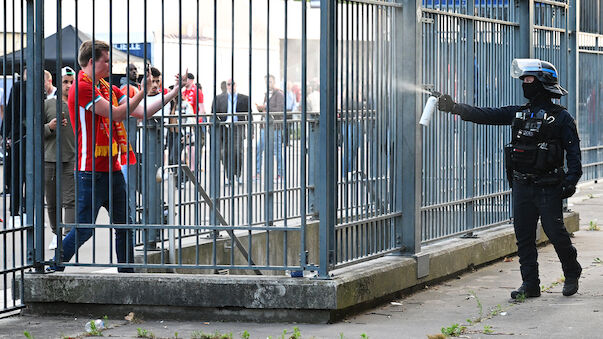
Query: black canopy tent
[[68, 54]]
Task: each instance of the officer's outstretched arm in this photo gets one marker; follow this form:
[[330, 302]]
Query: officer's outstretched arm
[[478, 115]]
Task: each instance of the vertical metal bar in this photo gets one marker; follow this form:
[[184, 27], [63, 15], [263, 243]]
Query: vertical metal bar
[[197, 149], [409, 148], [59, 117], [304, 148], [4, 152], [171, 186], [285, 142], [94, 136], [249, 141], [573, 58], [268, 145], [32, 243], [215, 165], [470, 135], [111, 131], [328, 186], [231, 134], [77, 136], [181, 175], [37, 191]]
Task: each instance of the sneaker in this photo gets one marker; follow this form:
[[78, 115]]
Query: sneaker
[[239, 180], [528, 291], [278, 179], [53, 243], [14, 222]]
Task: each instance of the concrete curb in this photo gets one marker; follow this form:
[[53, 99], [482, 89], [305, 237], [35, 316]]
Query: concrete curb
[[267, 298]]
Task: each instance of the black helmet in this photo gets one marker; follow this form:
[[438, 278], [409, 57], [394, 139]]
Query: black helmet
[[544, 71]]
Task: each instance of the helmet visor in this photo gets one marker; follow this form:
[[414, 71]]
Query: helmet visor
[[520, 67]]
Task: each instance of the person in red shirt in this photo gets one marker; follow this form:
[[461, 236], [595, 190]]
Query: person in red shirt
[[102, 147], [193, 94]]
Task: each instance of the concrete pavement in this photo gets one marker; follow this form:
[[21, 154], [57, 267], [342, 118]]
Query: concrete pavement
[[478, 300]]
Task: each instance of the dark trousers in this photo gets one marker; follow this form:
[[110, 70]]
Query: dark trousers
[[15, 177], [67, 193], [232, 151], [87, 213], [531, 201]]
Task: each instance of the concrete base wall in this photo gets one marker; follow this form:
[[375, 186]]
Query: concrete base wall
[[203, 253], [265, 298]]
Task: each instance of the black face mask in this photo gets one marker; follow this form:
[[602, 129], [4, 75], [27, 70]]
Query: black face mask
[[532, 90]]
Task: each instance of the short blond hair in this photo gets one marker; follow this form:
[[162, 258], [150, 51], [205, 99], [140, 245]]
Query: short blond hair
[[47, 76], [85, 53]]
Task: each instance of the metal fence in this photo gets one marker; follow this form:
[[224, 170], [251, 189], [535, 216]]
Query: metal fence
[[255, 186], [590, 89], [365, 115], [467, 50]]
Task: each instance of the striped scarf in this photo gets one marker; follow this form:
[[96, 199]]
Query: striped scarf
[[119, 144]]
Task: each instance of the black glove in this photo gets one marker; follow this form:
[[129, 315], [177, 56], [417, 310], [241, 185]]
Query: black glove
[[445, 103], [567, 190]]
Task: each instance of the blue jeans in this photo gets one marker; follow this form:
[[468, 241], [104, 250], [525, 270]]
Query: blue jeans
[[278, 150], [350, 147], [86, 214]]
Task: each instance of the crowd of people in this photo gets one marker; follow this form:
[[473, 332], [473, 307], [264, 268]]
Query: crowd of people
[[93, 139]]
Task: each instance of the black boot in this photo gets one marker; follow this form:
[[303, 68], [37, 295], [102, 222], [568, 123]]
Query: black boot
[[570, 287], [528, 290]]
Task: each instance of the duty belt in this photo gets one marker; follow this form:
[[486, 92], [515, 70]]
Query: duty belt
[[552, 177], [525, 177]]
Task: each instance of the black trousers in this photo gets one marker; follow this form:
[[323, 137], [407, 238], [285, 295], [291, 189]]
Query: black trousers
[[231, 151], [531, 201], [14, 171]]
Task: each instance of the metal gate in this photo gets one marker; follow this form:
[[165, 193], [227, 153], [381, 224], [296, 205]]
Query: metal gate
[[16, 232]]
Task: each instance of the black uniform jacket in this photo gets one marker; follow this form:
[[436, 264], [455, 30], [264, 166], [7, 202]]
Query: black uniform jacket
[[505, 116]]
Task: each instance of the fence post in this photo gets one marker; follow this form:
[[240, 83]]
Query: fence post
[[313, 159], [34, 157], [470, 99], [327, 184], [153, 199], [525, 38], [573, 58], [409, 150]]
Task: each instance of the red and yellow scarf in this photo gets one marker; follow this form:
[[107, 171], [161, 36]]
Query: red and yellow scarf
[[119, 144]]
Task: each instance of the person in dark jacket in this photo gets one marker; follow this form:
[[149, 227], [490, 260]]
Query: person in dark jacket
[[232, 132], [544, 137], [14, 129]]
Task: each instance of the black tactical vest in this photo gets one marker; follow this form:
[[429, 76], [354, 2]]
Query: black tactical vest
[[535, 146]]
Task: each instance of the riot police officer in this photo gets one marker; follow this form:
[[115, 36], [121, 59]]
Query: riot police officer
[[544, 136]]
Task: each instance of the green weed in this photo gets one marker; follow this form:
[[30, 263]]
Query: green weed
[[592, 226], [28, 335], [215, 335], [488, 329], [142, 333], [480, 307], [496, 310], [453, 331], [94, 331]]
